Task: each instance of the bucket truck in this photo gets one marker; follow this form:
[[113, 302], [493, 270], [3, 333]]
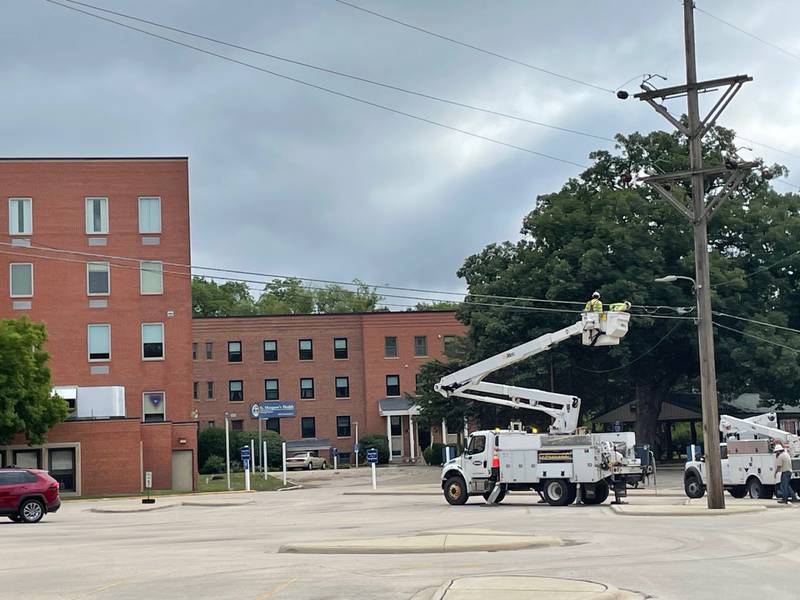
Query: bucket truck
[[748, 461], [563, 464]]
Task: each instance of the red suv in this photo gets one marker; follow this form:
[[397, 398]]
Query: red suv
[[26, 495]]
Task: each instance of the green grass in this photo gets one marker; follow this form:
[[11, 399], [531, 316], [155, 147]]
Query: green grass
[[257, 483]]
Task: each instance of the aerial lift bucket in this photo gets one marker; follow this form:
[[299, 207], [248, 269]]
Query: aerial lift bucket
[[604, 329]]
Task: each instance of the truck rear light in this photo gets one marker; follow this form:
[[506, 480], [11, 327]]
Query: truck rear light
[[53, 486]]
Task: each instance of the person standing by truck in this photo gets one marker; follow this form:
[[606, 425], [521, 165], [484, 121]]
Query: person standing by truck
[[783, 467]]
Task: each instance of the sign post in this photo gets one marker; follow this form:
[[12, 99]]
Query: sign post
[[253, 454], [356, 448], [245, 455], [335, 454], [283, 451], [148, 484], [264, 458], [372, 459]]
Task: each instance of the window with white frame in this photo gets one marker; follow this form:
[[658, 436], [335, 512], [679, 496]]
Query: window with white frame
[[153, 407], [151, 277], [98, 280], [20, 216], [153, 341], [150, 214], [97, 216], [21, 275], [99, 340]]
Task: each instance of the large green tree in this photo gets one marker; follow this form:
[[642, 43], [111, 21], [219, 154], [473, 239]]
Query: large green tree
[[603, 232], [230, 299], [27, 404]]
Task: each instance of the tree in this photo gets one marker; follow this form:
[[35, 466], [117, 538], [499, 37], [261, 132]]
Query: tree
[[286, 297], [440, 305], [337, 299], [27, 402], [230, 299], [600, 233]]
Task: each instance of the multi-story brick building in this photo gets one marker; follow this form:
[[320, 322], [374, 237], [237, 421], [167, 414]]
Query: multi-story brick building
[[98, 249], [342, 372]]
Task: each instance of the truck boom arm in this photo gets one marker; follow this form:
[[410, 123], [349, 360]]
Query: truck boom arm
[[598, 329], [756, 426]]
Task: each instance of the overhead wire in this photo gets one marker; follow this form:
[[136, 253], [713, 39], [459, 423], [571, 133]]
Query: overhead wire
[[756, 337], [756, 322], [757, 271], [321, 87], [747, 33], [345, 75], [635, 360]]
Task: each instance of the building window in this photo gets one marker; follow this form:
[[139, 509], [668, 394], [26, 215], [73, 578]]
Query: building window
[[234, 351], [209, 390], [271, 389], [212, 424], [151, 277], [153, 408], [98, 281], [307, 388], [97, 215], [449, 345], [209, 350], [308, 427], [417, 382], [420, 345], [393, 385], [270, 350], [20, 216], [342, 387], [396, 425], [274, 425], [306, 350], [342, 426], [340, 348], [236, 390], [196, 390], [390, 347], [237, 425], [194, 350], [28, 459], [99, 342], [150, 215], [345, 458], [21, 275], [61, 466], [153, 341]]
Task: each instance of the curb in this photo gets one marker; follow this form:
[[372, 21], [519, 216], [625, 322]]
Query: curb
[[216, 504], [609, 593], [290, 488], [112, 510], [649, 512]]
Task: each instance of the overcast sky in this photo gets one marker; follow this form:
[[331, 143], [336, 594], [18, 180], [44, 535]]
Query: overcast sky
[[285, 179]]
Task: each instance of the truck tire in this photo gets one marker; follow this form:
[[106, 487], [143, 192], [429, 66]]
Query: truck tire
[[738, 491], [557, 492], [693, 486], [759, 491], [455, 490], [600, 493]]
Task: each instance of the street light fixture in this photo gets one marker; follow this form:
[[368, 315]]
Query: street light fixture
[[673, 278]]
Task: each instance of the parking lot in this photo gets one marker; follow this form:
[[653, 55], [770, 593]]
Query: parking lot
[[228, 545]]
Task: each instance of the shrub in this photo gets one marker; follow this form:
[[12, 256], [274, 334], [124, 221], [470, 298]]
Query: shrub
[[381, 442], [214, 464], [211, 442], [434, 455]]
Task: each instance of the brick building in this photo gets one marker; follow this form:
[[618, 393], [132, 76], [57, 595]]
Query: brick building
[[341, 372], [94, 248]]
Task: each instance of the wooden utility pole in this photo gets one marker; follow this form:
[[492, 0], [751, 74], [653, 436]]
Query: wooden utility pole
[[698, 212]]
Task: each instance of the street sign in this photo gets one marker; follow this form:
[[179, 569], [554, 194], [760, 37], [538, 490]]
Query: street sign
[[273, 410], [356, 447], [334, 452], [372, 455], [148, 479], [244, 452]]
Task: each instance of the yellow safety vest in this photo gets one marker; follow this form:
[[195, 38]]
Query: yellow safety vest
[[593, 305]]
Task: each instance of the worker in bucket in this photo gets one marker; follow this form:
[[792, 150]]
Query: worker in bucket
[[620, 306], [594, 305], [784, 468]]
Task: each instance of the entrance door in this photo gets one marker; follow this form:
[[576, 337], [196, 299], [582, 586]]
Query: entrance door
[[182, 470], [397, 436], [477, 462]]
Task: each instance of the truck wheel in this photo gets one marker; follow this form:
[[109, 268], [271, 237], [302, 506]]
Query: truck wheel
[[767, 492], [754, 488], [693, 487], [738, 491], [556, 492], [499, 498], [600, 493], [455, 490]]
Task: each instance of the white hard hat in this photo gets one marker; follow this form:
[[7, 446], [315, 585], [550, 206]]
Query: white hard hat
[[778, 448], [596, 295]]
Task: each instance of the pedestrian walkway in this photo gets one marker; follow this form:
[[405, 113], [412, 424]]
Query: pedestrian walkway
[[520, 587]]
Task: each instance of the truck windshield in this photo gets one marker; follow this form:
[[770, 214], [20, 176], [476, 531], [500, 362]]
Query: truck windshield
[[477, 444]]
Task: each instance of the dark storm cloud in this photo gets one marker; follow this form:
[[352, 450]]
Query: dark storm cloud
[[289, 180]]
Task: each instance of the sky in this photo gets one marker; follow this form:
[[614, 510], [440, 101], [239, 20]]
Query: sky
[[290, 180]]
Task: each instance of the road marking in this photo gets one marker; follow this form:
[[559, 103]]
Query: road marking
[[278, 588]]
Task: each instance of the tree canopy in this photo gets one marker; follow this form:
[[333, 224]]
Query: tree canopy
[[27, 404], [280, 296], [601, 232]]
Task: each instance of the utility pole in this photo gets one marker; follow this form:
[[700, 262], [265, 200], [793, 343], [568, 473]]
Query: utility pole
[[698, 212]]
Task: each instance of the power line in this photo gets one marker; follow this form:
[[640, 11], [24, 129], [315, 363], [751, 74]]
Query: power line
[[637, 359], [764, 323], [476, 48], [756, 337], [346, 75], [749, 141], [757, 271], [322, 88], [789, 183], [747, 33]]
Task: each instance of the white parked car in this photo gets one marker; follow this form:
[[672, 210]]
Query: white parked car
[[306, 460]]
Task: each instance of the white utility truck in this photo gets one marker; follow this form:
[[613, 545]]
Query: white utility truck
[[748, 459], [561, 465]]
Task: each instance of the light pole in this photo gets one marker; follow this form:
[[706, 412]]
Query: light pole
[[227, 450], [356, 444]]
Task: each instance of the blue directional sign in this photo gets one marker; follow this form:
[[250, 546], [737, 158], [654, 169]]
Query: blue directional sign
[[245, 452], [372, 455], [334, 452], [273, 410]]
